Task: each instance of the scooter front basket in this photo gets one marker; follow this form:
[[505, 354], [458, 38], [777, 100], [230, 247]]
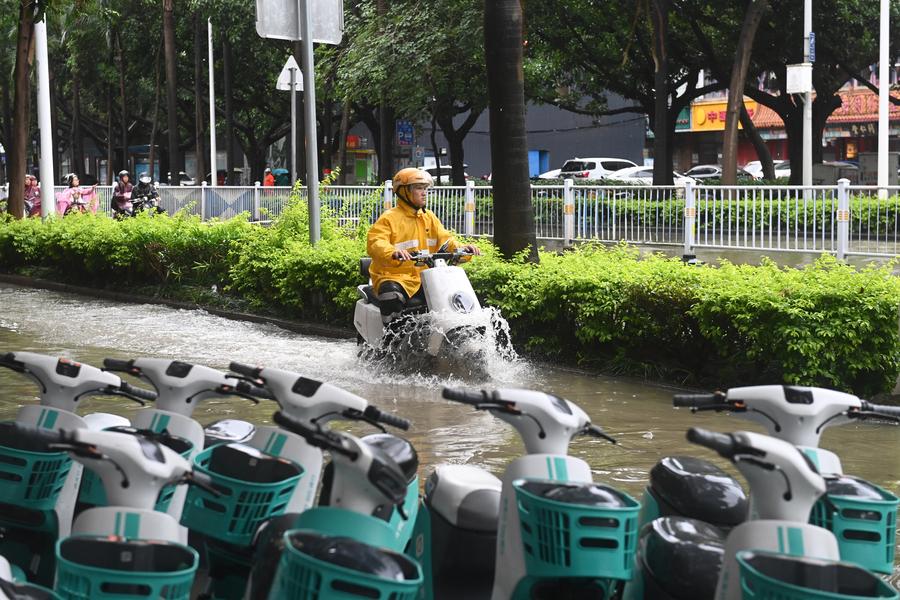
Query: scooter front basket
[[31, 478], [772, 576], [576, 529], [92, 568], [353, 570], [253, 486], [863, 518]]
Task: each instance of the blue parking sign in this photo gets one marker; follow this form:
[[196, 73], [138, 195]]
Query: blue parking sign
[[405, 134]]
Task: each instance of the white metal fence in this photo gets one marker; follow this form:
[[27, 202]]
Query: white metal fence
[[841, 219]]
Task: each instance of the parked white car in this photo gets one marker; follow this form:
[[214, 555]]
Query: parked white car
[[701, 172], [644, 176], [592, 168], [782, 168], [552, 174]]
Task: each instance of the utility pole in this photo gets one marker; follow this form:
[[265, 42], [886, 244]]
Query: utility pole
[[884, 90], [48, 201], [213, 169], [807, 98]]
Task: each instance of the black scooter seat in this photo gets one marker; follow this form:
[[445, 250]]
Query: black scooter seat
[[692, 487], [683, 556]]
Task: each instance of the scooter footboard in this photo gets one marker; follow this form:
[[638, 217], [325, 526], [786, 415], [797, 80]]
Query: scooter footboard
[[570, 529]]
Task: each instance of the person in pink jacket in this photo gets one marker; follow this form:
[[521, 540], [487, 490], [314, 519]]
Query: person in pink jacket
[[76, 197]]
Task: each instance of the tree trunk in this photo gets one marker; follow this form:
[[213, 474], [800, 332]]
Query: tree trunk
[[752, 17], [435, 149], [513, 213], [17, 151], [227, 65], [77, 139], [155, 118], [662, 169], [122, 101], [386, 118], [110, 155], [759, 144], [175, 163], [455, 137], [199, 129], [342, 152]]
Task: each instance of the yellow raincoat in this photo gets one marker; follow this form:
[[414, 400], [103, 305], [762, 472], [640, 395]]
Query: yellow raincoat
[[403, 228]]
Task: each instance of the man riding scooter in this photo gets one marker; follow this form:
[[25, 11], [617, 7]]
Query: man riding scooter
[[405, 229]]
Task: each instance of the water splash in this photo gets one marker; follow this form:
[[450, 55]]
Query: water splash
[[454, 347]]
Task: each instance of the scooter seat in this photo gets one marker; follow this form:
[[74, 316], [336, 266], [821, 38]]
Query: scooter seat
[[692, 487], [368, 294], [682, 557], [465, 496], [364, 263], [397, 448]]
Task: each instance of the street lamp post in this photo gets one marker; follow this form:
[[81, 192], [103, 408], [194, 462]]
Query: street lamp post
[[807, 98], [883, 92]]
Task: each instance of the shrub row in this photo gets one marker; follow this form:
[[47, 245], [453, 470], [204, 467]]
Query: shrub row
[[827, 324]]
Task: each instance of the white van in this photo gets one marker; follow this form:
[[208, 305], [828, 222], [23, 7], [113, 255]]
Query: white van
[[592, 168]]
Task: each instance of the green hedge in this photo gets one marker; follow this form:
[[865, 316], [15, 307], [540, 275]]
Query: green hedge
[[827, 324]]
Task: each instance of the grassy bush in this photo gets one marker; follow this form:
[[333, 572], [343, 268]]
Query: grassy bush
[[827, 324]]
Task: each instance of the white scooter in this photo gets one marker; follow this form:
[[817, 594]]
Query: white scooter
[[769, 555], [126, 548], [180, 387], [861, 514], [454, 316], [346, 549], [546, 530], [289, 483], [40, 490]]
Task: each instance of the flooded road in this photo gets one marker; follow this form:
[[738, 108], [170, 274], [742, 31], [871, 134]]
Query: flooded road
[[639, 415]]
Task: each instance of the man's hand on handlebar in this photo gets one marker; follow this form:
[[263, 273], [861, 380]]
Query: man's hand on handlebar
[[471, 249], [401, 255]]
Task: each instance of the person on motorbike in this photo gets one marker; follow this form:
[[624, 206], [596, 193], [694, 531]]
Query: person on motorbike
[[404, 229], [121, 199], [144, 193], [32, 196], [75, 197]]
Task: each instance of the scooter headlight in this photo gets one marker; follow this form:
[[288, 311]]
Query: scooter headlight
[[462, 302]]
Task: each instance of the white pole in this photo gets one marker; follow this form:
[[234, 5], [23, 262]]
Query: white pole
[[883, 92], [48, 199], [213, 167], [807, 100], [309, 105], [293, 126]]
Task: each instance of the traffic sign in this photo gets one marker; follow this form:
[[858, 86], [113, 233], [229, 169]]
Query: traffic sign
[[284, 78], [280, 20]]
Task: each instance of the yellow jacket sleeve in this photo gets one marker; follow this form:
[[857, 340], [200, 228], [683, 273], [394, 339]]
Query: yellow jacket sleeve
[[378, 241]]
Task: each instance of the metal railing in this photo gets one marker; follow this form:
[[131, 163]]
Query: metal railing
[[841, 219]]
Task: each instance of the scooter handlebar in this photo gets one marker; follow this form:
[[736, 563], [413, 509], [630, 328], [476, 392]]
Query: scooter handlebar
[[376, 414], [248, 389], [722, 443], [136, 392], [117, 364], [245, 370], [698, 400], [465, 396], [883, 409]]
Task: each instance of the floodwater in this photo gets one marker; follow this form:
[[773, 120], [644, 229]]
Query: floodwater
[[638, 414]]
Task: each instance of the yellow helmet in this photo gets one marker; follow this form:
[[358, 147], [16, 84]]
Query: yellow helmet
[[411, 175]]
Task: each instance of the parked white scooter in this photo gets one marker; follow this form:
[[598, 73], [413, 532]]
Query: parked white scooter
[[454, 314], [128, 547], [784, 486], [40, 488], [546, 530]]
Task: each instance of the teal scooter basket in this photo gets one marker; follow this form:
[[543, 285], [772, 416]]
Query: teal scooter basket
[[576, 529], [92, 493], [322, 567], [863, 518], [97, 568], [771, 576], [31, 478], [254, 487]]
